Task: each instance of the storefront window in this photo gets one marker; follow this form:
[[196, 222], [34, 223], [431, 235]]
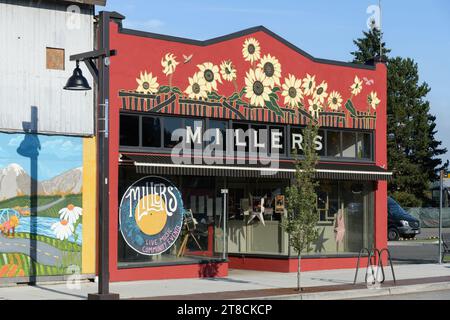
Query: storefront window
[[170, 125], [151, 132], [320, 143], [129, 130], [194, 125], [241, 139], [346, 212], [260, 139], [364, 145], [255, 213], [277, 141], [222, 126], [349, 144], [201, 238], [333, 144]]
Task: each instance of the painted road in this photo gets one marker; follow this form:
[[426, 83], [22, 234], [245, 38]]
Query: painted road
[[42, 252], [49, 205]]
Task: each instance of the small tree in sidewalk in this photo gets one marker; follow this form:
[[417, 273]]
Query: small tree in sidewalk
[[301, 199]]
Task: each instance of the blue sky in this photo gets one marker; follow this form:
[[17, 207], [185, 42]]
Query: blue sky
[[57, 155], [323, 28]]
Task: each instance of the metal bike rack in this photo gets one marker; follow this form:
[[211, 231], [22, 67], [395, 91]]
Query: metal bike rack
[[368, 263], [374, 254], [390, 262]]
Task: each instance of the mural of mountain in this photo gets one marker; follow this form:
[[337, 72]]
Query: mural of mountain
[[14, 181], [67, 182]]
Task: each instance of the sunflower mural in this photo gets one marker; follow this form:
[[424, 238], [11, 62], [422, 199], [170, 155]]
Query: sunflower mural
[[288, 97]]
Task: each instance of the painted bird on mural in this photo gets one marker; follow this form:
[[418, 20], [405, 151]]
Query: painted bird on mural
[[187, 58], [368, 81]]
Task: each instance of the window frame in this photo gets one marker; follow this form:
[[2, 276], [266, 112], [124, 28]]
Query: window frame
[[287, 136]]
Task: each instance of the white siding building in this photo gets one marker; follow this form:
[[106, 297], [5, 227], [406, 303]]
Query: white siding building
[[36, 41]]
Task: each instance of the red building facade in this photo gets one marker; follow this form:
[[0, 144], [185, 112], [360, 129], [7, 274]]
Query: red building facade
[[263, 90]]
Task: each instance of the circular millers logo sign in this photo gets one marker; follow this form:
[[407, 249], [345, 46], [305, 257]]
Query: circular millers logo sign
[[151, 215]]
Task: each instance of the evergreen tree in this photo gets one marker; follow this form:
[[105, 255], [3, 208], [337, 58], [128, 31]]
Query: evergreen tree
[[413, 150], [368, 47]]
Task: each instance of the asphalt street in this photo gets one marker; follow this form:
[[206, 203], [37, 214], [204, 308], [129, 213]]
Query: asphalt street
[[414, 251]]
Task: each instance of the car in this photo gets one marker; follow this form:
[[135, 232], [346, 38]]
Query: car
[[401, 223]]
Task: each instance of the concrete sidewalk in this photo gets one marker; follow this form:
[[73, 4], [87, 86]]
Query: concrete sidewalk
[[238, 280]]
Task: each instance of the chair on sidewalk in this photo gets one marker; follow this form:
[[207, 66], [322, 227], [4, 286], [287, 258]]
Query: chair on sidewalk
[[445, 244]]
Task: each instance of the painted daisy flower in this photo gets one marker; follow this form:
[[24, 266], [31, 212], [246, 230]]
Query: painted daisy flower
[[63, 229], [321, 92], [271, 68], [169, 63], [314, 107], [373, 100], [292, 92], [251, 50], [197, 87], [356, 86], [334, 100], [71, 213], [147, 83], [227, 70], [211, 74], [257, 87], [309, 84]]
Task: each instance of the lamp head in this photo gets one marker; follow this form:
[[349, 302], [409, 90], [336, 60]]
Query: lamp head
[[77, 81]]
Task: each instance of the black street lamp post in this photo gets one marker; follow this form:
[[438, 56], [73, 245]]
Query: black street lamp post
[[78, 82]]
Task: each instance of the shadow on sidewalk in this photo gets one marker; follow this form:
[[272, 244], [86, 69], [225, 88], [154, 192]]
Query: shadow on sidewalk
[[332, 280], [60, 292], [218, 279]]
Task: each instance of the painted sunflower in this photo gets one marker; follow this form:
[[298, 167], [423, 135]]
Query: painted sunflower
[[227, 70], [373, 100], [147, 83], [321, 92], [309, 84], [271, 68], [334, 100], [257, 87], [197, 87], [314, 107], [210, 73], [251, 50], [356, 87], [292, 91], [169, 64]]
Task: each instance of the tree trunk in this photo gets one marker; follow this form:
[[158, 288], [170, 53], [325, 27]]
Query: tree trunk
[[299, 280]]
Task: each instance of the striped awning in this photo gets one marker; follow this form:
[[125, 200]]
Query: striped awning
[[161, 164]]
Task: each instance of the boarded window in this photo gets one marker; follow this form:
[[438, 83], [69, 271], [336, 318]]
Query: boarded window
[[55, 59]]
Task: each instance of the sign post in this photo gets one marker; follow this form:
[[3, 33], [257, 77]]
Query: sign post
[[225, 193], [441, 183]]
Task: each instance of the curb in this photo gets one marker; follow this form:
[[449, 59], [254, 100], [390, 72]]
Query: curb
[[360, 293]]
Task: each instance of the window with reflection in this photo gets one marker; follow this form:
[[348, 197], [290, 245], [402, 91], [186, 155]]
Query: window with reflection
[[193, 127], [221, 127], [241, 137], [364, 145], [151, 132], [129, 130], [259, 137], [333, 143], [170, 125], [349, 144], [277, 139]]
